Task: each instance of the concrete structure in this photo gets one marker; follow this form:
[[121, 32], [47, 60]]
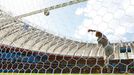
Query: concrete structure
[[18, 34]]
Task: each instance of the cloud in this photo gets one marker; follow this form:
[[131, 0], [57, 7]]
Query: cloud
[[114, 18]]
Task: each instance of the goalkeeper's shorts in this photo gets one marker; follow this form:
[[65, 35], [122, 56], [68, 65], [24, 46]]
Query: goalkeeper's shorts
[[109, 51]]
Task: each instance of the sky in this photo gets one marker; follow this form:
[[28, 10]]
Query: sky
[[114, 18]]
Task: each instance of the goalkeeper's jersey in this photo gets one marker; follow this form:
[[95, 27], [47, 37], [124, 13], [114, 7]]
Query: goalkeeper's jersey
[[103, 41]]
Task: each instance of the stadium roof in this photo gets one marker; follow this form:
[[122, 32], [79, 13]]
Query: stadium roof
[[18, 34]]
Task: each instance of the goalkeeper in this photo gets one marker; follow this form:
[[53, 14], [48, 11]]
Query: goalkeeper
[[102, 40]]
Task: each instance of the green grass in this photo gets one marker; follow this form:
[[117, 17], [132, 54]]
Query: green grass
[[55, 74]]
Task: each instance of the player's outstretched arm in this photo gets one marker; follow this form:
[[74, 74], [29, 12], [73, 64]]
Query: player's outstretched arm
[[90, 30]]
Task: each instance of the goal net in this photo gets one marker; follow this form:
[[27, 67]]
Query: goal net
[[26, 49]]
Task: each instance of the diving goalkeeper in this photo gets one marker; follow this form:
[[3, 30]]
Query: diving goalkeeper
[[102, 40]]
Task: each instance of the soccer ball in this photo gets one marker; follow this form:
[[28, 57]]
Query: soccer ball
[[46, 13]]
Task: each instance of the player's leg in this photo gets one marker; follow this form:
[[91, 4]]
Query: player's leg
[[107, 64], [109, 52], [106, 59], [109, 56]]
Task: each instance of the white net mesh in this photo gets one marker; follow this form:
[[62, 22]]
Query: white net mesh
[[26, 49]]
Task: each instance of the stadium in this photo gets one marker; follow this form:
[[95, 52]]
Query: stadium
[[25, 49]]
